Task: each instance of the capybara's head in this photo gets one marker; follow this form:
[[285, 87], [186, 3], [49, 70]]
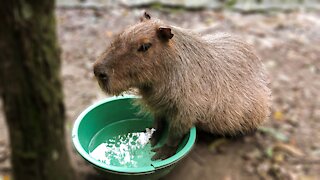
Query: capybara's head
[[134, 56]]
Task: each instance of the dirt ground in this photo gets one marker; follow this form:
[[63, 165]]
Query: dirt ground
[[286, 147]]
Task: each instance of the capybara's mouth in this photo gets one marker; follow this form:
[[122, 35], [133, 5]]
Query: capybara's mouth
[[108, 90], [104, 86]]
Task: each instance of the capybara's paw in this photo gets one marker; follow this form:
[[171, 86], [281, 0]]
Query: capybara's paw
[[163, 152]]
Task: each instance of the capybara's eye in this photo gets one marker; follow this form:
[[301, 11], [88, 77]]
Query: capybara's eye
[[144, 47]]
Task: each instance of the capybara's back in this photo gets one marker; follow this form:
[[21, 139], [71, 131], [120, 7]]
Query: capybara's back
[[231, 86], [215, 82]]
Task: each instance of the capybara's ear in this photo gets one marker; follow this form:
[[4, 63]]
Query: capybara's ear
[[145, 16], [164, 33]]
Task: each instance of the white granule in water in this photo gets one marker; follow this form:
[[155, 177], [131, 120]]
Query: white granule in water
[[125, 150]]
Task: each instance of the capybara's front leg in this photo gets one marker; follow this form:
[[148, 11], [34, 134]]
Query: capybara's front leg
[[159, 125], [175, 136]]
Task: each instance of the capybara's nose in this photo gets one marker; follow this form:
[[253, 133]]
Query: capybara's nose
[[100, 73]]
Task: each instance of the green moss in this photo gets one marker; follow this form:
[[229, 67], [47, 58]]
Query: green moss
[[26, 11], [230, 3]]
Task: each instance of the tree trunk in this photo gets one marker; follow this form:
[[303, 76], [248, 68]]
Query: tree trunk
[[31, 90]]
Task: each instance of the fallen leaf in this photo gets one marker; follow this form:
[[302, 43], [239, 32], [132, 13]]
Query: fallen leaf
[[7, 177], [217, 143], [303, 177], [292, 150], [269, 152], [278, 157], [278, 116], [109, 34], [276, 134]]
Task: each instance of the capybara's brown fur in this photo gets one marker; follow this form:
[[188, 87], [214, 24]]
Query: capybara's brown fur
[[215, 82]]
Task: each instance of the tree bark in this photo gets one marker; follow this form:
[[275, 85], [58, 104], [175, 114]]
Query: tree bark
[[31, 90]]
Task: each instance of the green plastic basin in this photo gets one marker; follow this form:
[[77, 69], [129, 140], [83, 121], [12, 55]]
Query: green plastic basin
[[115, 116]]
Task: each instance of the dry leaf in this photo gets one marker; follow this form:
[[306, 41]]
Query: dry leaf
[[109, 34], [217, 143], [278, 157], [269, 152], [273, 132], [5, 177], [292, 150], [278, 116], [303, 177]]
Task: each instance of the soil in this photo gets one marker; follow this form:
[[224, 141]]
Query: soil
[[287, 146]]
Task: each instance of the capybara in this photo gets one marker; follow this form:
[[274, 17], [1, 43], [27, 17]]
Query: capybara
[[215, 82]]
